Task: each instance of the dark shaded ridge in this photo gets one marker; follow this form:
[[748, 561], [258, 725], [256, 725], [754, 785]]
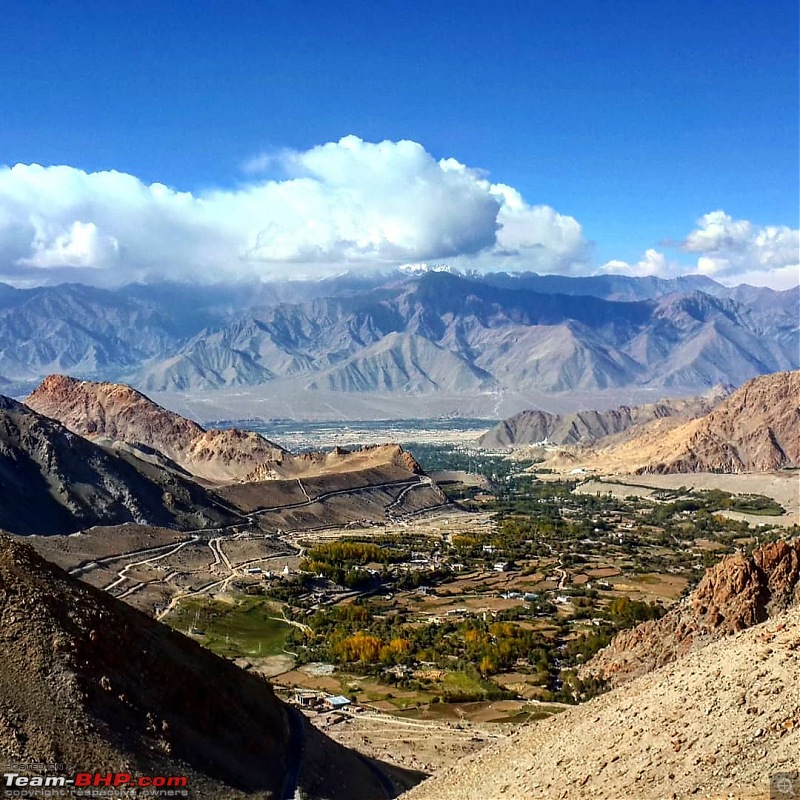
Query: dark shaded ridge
[[87, 680]]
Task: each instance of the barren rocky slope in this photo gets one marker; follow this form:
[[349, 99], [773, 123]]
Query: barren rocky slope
[[757, 429], [53, 481], [118, 415], [715, 724], [587, 427], [735, 594], [89, 682], [521, 332], [505, 335]]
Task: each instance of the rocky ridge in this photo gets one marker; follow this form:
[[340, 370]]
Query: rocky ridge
[[737, 593], [138, 697], [121, 417], [54, 481], [755, 429], [118, 413]]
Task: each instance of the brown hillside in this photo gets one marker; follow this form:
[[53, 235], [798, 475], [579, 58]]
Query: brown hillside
[[87, 681], [590, 427], [739, 592], [757, 429], [117, 414]]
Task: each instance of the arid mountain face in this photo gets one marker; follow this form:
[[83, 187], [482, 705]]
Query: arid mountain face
[[739, 592], [117, 415], [589, 427], [87, 681], [756, 429], [54, 481], [501, 338], [426, 333]]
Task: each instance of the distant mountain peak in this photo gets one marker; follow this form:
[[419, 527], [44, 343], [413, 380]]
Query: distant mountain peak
[[423, 267]]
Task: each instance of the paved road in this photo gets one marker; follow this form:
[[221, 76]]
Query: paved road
[[215, 536], [423, 481]]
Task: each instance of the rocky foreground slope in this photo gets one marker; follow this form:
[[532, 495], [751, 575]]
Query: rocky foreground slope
[[715, 724], [87, 681], [737, 593], [53, 481]]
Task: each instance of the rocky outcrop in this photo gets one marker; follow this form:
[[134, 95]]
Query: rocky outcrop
[[739, 592]]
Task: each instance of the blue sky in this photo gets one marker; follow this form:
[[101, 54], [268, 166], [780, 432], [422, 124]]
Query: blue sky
[[635, 119]]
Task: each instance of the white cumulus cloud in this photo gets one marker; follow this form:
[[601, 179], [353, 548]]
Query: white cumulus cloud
[[537, 232], [350, 202], [652, 262], [728, 250], [729, 247]]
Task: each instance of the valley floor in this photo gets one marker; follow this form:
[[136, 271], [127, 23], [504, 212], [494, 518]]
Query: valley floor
[[783, 487]]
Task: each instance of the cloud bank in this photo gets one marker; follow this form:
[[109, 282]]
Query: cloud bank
[[342, 205], [728, 250], [347, 203]]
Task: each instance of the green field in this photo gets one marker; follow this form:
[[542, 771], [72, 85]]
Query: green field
[[242, 628]]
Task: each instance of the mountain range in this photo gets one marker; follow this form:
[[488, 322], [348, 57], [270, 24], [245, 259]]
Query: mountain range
[[420, 332]]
